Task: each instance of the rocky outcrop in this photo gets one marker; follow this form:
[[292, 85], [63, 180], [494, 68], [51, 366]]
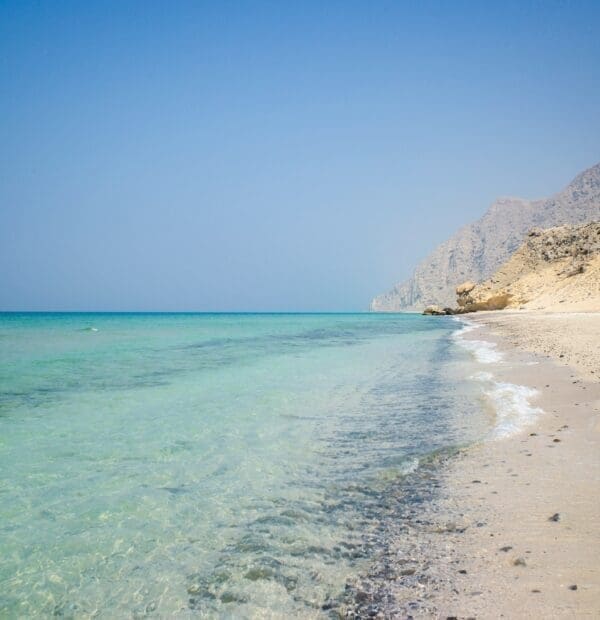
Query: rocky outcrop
[[554, 269], [476, 251], [434, 310], [465, 288]]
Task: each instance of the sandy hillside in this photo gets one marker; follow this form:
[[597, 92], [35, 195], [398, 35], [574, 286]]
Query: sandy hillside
[[477, 250], [557, 269]]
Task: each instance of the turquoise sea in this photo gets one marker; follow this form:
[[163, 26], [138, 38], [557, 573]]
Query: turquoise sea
[[212, 465]]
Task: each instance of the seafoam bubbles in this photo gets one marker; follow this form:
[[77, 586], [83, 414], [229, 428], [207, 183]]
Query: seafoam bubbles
[[484, 351], [511, 403], [514, 410]]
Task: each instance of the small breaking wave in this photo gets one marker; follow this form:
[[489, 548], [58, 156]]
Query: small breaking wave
[[484, 351], [511, 403], [513, 409]]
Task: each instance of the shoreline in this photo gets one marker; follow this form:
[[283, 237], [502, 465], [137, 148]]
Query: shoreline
[[512, 528], [532, 500]]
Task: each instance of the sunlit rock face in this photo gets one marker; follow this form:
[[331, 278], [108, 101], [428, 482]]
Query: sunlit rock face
[[477, 250]]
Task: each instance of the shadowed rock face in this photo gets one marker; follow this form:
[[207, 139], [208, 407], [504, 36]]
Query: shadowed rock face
[[476, 251]]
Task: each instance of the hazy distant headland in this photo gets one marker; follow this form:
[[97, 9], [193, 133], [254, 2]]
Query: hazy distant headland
[[477, 250]]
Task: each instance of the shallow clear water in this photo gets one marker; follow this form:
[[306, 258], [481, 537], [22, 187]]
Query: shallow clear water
[[210, 464]]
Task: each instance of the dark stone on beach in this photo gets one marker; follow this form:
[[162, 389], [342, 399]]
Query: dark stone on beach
[[520, 562], [506, 549], [573, 587], [555, 517], [475, 481], [451, 617], [372, 610], [462, 571], [536, 591], [533, 434], [557, 440]]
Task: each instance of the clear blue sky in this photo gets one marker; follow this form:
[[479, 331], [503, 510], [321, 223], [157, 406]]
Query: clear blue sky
[[273, 156]]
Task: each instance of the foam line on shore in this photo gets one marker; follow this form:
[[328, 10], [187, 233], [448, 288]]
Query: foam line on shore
[[484, 351], [513, 408], [511, 402]]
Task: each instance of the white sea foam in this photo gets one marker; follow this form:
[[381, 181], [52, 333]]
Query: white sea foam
[[511, 403], [513, 408], [484, 351]]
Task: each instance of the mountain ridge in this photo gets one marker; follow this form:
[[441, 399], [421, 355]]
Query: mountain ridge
[[478, 249]]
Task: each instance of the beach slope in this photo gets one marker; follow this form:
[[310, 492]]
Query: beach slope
[[531, 502]]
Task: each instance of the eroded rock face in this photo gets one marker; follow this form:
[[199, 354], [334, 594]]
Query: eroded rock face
[[555, 266], [493, 302], [476, 251], [465, 287]]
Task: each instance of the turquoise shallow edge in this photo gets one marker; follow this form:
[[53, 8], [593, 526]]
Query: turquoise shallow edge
[[160, 462]]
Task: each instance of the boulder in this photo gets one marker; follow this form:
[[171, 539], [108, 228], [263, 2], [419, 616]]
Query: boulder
[[434, 310], [465, 288]]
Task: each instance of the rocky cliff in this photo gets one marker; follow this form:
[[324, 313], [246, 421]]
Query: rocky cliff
[[557, 269], [476, 251]]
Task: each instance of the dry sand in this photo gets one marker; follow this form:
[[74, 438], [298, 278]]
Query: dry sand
[[531, 503]]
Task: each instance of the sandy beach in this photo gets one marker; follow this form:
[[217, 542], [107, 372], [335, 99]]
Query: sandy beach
[[530, 504], [508, 527]]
